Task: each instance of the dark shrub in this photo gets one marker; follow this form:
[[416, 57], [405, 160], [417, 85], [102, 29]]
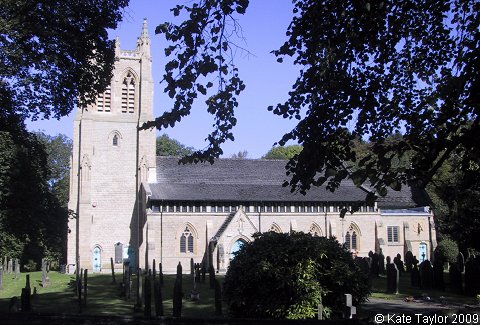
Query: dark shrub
[[288, 275]]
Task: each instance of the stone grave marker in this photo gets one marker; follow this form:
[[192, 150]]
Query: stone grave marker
[[399, 263], [409, 261], [415, 274], [392, 277], [1, 277], [455, 276], [438, 273], [472, 275], [350, 309], [381, 263], [426, 275]]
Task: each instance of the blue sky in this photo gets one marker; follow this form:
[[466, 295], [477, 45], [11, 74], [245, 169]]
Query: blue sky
[[267, 82]]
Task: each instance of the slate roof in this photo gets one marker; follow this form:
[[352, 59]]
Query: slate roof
[[248, 180]]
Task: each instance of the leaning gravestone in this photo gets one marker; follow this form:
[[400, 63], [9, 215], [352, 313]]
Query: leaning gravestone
[[392, 277], [426, 275]]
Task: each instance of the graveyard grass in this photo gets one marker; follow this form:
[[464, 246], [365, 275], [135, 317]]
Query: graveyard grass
[[379, 286], [103, 296]]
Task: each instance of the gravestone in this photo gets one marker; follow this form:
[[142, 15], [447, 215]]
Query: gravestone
[[472, 275], [455, 277], [350, 309], [177, 297], [45, 269], [10, 266], [438, 280], [204, 273], [362, 263], [1, 277], [26, 296], [381, 263], [399, 263], [147, 311], [160, 271], [16, 268], [218, 298], [415, 273], [375, 267], [211, 273], [409, 261], [392, 277], [461, 262], [157, 294], [426, 275]]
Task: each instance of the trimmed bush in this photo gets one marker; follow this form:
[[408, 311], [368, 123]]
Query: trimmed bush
[[448, 250], [289, 275]]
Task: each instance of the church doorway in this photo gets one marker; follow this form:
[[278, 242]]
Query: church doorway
[[237, 246], [423, 255], [97, 259]]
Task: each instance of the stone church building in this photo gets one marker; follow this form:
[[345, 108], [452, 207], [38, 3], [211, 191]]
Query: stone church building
[[131, 205]]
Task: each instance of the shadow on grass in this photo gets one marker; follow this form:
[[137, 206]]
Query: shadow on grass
[[103, 297]]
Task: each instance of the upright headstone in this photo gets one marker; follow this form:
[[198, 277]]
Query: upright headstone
[[85, 286], [16, 268], [415, 274], [392, 277], [218, 298], [10, 266], [426, 275], [179, 272], [211, 273], [409, 261], [1, 277], [455, 276], [472, 275], [26, 296], [148, 297], [438, 280], [113, 270], [381, 263], [375, 267], [157, 293], [398, 262], [160, 270], [461, 262], [350, 309], [177, 298]]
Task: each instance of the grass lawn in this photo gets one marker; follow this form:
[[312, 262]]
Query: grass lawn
[[103, 296], [379, 286]]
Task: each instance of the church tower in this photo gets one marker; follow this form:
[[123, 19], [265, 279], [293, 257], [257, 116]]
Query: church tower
[[110, 159]]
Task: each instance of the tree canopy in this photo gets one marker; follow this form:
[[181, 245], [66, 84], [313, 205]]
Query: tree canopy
[[32, 217], [166, 146], [368, 70], [283, 152], [54, 54]]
